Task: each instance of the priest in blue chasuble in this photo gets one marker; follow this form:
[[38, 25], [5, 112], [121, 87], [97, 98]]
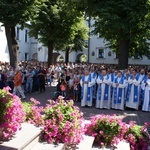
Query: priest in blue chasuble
[[103, 99], [86, 83], [118, 98]]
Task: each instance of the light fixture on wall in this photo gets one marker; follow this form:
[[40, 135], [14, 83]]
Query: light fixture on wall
[[93, 53], [40, 48]]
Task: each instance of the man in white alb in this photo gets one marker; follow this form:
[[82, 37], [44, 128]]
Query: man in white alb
[[86, 83], [104, 90]]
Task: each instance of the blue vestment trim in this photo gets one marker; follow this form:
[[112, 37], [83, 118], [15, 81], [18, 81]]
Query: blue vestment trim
[[135, 94], [88, 90], [117, 98], [106, 90]]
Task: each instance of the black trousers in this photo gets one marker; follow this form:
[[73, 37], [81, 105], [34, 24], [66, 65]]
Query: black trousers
[[42, 85]]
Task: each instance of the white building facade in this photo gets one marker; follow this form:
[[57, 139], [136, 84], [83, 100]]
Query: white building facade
[[27, 46], [31, 49]]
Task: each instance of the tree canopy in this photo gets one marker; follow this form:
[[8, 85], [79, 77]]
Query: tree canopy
[[124, 23], [58, 23], [13, 12]]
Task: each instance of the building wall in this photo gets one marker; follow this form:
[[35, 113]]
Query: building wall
[[4, 54], [29, 48], [27, 45], [97, 43]]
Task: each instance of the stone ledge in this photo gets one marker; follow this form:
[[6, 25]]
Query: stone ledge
[[46, 146], [23, 138], [86, 143], [123, 145]]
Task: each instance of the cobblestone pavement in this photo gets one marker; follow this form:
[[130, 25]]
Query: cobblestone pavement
[[139, 116]]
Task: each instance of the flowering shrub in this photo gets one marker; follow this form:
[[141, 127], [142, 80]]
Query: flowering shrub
[[63, 122], [106, 130], [11, 114], [109, 130], [33, 112], [137, 136]]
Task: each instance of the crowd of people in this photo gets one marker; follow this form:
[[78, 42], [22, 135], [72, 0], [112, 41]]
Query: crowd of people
[[94, 85]]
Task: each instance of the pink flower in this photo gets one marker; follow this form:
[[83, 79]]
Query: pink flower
[[12, 113], [63, 122]]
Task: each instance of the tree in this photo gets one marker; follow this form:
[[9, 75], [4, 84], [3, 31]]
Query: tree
[[124, 23], [56, 24], [78, 41], [15, 12]]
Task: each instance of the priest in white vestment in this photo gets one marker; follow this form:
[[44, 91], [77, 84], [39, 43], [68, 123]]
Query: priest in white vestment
[[118, 98], [86, 83], [103, 99], [94, 77], [142, 77], [146, 87], [132, 97]]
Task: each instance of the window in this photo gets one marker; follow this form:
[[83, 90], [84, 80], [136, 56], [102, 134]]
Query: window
[[17, 33], [26, 35], [148, 56], [26, 56], [101, 53]]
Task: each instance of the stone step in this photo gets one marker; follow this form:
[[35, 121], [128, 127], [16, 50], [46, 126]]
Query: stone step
[[86, 143], [24, 139], [46, 146], [123, 145]]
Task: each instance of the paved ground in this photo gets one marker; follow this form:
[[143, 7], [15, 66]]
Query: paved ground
[[127, 115]]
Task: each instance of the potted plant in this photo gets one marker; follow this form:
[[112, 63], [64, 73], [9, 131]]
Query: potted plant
[[106, 130], [62, 122], [12, 114], [110, 130], [137, 136], [33, 112]]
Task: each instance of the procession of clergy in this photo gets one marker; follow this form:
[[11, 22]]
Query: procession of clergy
[[117, 90]]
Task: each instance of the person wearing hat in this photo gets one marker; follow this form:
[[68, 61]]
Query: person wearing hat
[[146, 87]]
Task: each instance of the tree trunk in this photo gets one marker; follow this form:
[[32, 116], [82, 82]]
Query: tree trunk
[[67, 55], [12, 45], [50, 52], [123, 54]]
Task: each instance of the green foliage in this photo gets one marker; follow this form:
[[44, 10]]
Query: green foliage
[[137, 132], [62, 122], [60, 23], [33, 112], [15, 12], [106, 126], [28, 110], [124, 19], [4, 97]]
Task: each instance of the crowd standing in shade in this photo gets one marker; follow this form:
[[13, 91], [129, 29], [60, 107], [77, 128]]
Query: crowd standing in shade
[[94, 85]]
